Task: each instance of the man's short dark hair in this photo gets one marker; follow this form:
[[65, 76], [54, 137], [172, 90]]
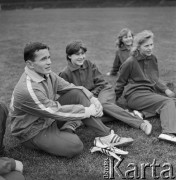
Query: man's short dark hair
[[74, 46], [31, 48]]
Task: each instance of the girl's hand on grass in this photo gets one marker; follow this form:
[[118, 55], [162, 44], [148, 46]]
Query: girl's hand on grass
[[170, 93], [19, 166]]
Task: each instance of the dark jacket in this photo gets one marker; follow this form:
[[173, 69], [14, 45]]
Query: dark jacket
[[139, 73], [121, 56], [87, 76]]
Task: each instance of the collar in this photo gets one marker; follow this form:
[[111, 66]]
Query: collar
[[74, 68], [124, 48], [33, 75], [141, 57]]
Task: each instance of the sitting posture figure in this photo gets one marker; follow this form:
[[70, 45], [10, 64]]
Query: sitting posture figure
[[82, 72], [139, 73], [123, 43], [10, 169], [44, 107]]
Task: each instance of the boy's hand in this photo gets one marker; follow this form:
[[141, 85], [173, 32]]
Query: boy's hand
[[19, 166], [170, 93], [92, 111]]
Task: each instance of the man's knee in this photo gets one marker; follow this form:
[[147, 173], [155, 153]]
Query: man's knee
[[78, 92], [75, 149], [80, 97]]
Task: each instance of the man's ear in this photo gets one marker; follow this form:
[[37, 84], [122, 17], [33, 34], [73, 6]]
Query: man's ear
[[30, 64]]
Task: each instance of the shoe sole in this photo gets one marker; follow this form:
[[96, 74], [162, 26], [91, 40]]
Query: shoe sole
[[167, 140], [122, 144]]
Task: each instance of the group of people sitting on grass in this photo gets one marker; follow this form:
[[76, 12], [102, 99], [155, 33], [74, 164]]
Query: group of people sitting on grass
[[46, 108]]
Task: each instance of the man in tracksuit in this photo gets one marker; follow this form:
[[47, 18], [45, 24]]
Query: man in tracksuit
[[140, 75], [83, 72], [45, 106], [10, 169]]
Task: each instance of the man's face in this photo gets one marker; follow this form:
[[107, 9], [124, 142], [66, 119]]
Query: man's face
[[78, 58], [42, 62], [147, 47]]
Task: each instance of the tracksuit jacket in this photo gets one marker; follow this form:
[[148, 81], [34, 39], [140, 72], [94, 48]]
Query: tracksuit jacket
[[140, 73], [87, 75], [34, 104], [121, 56]]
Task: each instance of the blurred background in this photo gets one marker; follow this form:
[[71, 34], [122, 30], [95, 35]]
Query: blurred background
[[14, 4]]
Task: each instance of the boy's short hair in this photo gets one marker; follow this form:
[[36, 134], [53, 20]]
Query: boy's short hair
[[31, 48], [73, 47]]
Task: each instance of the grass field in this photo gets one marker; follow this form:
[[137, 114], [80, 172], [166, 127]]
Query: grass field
[[98, 28]]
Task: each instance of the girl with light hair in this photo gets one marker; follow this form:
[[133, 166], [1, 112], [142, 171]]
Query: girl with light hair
[[123, 43], [141, 75]]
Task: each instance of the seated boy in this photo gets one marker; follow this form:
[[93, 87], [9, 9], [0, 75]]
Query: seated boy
[[83, 72]]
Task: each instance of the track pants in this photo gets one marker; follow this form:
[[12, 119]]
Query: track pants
[[63, 143], [107, 98], [152, 103]]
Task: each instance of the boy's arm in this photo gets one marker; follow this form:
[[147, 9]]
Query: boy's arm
[[6, 165]]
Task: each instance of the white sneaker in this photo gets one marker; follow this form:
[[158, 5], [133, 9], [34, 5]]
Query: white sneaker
[[112, 140], [138, 114], [146, 127], [167, 137]]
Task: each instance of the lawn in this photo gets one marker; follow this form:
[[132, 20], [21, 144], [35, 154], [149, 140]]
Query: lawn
[[98, 28]]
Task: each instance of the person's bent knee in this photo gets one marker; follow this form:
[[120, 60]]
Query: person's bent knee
[[78, 92], [80, 97], [76, 149]]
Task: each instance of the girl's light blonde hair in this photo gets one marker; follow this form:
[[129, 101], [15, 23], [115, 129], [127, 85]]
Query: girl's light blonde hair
[[139, 39], [119, 43]]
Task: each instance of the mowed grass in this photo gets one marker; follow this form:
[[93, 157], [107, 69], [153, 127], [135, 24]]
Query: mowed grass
[[98, 28]]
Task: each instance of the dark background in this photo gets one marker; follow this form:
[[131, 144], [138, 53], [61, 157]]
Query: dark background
[[18, 4]]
